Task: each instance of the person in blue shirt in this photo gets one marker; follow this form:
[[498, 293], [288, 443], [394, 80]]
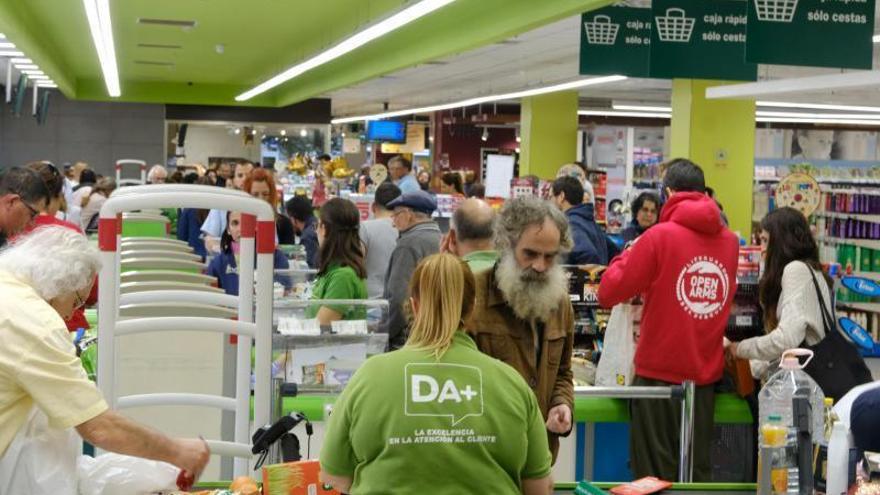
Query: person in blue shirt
[[189, 225], [400, 170], [591, 245], [299, 209], [224, 266]]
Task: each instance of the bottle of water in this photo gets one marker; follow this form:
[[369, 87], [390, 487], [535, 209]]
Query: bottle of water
[[791, 383]]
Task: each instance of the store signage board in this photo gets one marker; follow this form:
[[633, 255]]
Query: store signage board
[[856, 333], [616, 40], [415, 141], [862, 286], [818, 33], [700, 39]]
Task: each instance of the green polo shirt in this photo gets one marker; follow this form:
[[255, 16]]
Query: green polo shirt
[[464, 423], [481, 260], [340, 282]]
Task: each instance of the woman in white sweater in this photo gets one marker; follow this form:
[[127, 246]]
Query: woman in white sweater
[[791, 305]]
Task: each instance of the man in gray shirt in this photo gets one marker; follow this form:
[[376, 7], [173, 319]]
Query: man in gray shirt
[[379, 238], [419, 238]]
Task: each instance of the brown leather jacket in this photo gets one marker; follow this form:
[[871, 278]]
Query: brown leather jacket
[[545, 364]]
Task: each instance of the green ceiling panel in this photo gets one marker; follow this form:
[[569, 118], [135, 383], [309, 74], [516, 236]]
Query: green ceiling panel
[[260, 38]]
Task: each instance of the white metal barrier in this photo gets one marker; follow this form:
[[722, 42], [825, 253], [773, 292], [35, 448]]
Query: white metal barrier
[[166, 276], [127, 182], [254, 321]]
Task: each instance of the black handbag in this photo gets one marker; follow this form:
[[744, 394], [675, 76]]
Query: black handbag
[[837, 366]]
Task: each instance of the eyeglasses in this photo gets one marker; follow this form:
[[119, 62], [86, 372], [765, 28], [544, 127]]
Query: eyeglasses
[[79, 301], [33, 211]]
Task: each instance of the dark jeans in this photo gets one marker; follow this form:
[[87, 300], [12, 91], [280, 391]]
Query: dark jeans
[[655, 429]]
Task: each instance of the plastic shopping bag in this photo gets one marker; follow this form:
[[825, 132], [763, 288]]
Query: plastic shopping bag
[[114, 474], [41, 460], [616, 367]]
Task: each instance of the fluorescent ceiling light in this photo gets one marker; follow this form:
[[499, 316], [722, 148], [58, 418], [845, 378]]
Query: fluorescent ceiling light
[[11, 53], [38, 77], [876, 38], [580, 83], [789, 120], [2, 36], [33, 72], [46, 84], [807, 115], [817, 106], [98, 14], [22, 61], [825, 82], [619, 113], [7, 45], [641, 108], [26, 66], [347, 45]]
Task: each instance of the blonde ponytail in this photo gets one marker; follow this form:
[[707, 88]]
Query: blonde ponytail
[[444, 286]]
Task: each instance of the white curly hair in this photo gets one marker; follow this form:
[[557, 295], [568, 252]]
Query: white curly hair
[[54, 260]]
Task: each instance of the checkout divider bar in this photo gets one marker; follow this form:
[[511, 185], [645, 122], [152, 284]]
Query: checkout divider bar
[[684, 393]]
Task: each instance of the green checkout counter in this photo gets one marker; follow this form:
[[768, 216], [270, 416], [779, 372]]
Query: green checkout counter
[[591, 416]]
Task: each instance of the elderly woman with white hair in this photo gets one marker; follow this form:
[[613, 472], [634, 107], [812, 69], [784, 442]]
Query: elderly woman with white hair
[[44, 277]]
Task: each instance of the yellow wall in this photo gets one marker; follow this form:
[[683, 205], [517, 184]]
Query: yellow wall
[[718, 135], [549, 133]]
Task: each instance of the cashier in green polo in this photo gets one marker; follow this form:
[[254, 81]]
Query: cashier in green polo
[[462, 422], [342, 271]]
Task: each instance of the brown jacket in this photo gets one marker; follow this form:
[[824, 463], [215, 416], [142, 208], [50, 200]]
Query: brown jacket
[[500, 334]]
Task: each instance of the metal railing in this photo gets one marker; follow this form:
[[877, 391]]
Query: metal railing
[[684, 393]]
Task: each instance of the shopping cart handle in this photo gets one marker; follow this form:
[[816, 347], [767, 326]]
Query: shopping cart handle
[[289, 389], [676, 392]]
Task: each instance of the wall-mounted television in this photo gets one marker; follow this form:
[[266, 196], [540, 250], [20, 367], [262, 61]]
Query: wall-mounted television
[[43, 107], [389, 131], [18, 95]]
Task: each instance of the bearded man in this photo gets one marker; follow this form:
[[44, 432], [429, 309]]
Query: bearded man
[[523, 315]]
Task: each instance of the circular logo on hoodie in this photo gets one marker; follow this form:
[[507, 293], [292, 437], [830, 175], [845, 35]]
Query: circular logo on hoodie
[[702, 287]]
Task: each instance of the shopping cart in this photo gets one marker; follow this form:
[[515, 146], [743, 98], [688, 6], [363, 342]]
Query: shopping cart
[[675, 26], [601, 31], [142, 166], [775, 10]]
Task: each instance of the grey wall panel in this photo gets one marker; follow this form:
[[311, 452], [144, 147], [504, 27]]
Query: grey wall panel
[[95, 132]]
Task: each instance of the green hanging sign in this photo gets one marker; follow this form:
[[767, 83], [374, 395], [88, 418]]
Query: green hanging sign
[[700, 39], [819, 33], [616, 40]]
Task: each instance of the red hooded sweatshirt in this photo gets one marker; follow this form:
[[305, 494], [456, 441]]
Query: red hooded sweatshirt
[[685, 268]]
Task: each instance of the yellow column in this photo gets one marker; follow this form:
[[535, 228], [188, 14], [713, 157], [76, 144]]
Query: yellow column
[[718, 135], [548, 132]]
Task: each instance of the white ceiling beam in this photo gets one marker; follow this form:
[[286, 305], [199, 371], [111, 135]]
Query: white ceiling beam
[[795, 85]]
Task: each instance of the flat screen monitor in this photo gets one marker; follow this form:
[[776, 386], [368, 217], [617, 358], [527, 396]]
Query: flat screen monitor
[[43, 107], [389, 131], [18, 95]]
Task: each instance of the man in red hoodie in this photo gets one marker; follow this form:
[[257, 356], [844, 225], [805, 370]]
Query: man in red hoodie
[[685, 269]]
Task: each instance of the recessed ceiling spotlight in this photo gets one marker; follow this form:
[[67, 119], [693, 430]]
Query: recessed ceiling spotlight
[[220, 48], [237, 130], [254, 132], [283, 132], [303, 133]]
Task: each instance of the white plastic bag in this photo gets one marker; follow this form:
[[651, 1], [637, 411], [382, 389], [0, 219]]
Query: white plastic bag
[[114, 474], [616, 368], [41, 460]]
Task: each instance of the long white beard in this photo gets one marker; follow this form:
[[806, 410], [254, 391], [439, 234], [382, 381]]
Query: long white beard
[[530, 294]]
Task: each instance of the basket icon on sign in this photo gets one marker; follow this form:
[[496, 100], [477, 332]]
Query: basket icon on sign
[[675, 26], [775, 10], [601, 31]]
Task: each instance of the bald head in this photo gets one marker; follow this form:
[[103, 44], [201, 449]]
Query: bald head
[[474, 225]]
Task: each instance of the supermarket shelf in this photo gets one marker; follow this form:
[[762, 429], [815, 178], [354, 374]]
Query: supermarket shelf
[[855, 182], [867, 307], [847, 216], [865, 243]]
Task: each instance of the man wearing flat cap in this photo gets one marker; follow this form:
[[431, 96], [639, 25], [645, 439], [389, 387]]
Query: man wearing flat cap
[[419, 238]]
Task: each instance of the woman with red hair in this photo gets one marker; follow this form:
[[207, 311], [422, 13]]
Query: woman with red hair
[[260, 183]]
